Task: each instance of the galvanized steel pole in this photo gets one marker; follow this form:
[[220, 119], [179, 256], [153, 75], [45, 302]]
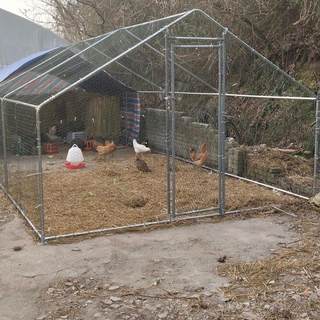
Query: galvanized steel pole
[[221, 123], [167, 102], [40, 179], [4, 145], [316, 147], [173, 131]]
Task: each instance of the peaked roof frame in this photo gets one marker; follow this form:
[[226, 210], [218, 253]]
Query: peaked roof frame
[[93, 42]]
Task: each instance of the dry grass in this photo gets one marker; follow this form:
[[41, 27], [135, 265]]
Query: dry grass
[[290, 165], [114, 193], [287, 284]]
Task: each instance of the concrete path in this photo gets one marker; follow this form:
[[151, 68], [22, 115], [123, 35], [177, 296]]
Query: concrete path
[[183, 257]]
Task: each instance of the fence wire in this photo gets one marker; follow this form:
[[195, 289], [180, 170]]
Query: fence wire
[[112, 191], [21, 162], [83, 93]]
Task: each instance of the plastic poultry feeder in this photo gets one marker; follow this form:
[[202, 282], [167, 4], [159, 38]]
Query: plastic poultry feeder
[[75, 158]]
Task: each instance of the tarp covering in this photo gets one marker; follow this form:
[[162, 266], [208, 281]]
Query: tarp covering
[[101, 83], [22, 63]]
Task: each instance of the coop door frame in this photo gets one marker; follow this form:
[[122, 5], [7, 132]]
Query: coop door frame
[[171, 44]]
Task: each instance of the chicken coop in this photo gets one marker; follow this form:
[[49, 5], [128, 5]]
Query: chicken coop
[[229, 131]]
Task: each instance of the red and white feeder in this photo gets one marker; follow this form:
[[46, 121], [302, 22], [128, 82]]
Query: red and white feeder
[[75, 158]]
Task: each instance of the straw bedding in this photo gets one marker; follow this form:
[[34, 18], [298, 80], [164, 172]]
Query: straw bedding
[[114, 193]]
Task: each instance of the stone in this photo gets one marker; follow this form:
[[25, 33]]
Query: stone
[[150, 308], [97, 315], [249, 315], [50, 291], [157, 282], [315, 200], [113, 288], [208, 294], [163, 315], [115, 299]]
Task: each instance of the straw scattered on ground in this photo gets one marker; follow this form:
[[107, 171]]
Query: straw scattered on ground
[[287, 284], [114, 193]]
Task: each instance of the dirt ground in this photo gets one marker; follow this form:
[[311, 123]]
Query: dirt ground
[[114, 193], [270, 271]]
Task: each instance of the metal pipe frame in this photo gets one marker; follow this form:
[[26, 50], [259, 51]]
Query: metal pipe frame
[[34, 67], [235, 95], [196, 38], [173, 131], [185, 13], [233, 212], [196, 211], [30, 105], [4, 145], [261, 184], [20, 210], [92, 38], [130, 70], [40, 179], [196, 46], [59, 64], [180, 17], [178, 65], [259, 54], [89, 75], [154, 223], [49, 59], [141, 225], [221, 123], [170, 107], [167, 102], [316, 147]]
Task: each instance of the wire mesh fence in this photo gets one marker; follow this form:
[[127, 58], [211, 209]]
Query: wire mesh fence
[[20, 161], [272, 141], [86, 94], [112, 191]]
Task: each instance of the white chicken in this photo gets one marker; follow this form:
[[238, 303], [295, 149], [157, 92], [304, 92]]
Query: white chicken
[[139, 148]]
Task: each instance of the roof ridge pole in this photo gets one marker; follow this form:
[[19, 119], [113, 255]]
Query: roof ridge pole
[[316, 147], [221, 122], [40, 205], [4, 145], [160, 19], [167, 102], [58, 65]]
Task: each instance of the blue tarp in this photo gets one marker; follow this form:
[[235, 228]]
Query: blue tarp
[[14, 67], [102, 82]]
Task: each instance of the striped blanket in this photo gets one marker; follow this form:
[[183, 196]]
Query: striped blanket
[[131, 110]]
